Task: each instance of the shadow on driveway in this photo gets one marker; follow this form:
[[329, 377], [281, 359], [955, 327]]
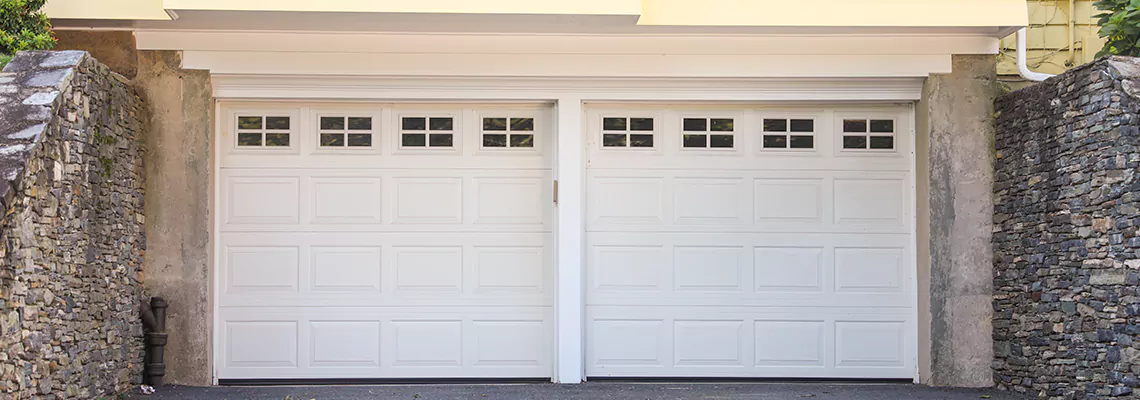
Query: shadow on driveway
[[589, 391]]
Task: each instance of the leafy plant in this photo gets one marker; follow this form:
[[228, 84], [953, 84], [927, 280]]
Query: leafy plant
[[1120, 26], [24, 27]]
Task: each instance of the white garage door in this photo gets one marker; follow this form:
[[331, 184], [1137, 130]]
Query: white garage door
[[384, 241], [750, 242]]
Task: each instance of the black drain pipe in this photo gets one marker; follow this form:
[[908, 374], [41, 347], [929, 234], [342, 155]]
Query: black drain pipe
[[154, 322]]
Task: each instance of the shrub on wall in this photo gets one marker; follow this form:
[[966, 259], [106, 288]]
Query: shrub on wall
[[23, 27], [1119, 26]]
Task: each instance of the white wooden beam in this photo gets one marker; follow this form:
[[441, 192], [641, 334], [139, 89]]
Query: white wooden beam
[[570, 172]]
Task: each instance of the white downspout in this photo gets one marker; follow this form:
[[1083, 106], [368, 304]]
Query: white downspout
[[1022, 64]]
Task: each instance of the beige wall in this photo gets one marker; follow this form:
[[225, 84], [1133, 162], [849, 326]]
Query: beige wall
[[1051, 49]]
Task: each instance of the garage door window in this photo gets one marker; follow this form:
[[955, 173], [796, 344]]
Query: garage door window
[[262, 131], [868, 134], [633, 132], [504, 132], [708, 133], [785, 133], [427, 132], [341, 131]]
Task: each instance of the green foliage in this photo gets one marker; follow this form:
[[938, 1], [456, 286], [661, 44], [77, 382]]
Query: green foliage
[[4, 58], [24, 27]]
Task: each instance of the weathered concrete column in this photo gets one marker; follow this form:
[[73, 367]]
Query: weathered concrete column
[[956, 175], [178, 208]]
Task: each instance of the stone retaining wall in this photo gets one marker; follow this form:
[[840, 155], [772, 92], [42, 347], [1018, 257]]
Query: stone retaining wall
[[1067, 211], [71, 187]]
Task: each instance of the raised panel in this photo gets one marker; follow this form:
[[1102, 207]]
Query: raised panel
[[509, 343], [263, 200], [788, 269], [708, 342], [707, 268], [261, 343], [515, 269], [346, 200], [429, 201], [628, 342], [345, 343], [625, 268], [709, 201], [261, 269], [869, 270], [869, 343], [869, 202], [790, 343], [428, 343], [345, 269], [792, 200], [626, 200], [509, 201], [429, 269]]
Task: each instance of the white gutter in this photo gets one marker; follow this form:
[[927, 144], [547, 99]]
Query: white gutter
[[1022, 65]]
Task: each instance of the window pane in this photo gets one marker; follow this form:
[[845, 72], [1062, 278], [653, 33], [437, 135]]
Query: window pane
[[882, 142], [413, 140], [332, 123], [613, 124], [494, 124], [882, 125], [722, 124], [249, 139], [854, 142], [522, 140], [277, 139], [332, 139], [803, 125], [695, 141], [414, 124], [695, 125], [775, 125], [359, 140], [613, 140], [640, 140], [495, 140], [276, 122], [249, 123], [522, 124], [855, 125], [721, 141], [802, 142], [360, 123], [441, 140], [441, 124], [775, 142], [641, 124]]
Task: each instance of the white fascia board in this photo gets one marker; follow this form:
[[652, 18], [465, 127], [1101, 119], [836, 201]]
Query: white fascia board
[[407, 88], [568, 65], [625, 44]]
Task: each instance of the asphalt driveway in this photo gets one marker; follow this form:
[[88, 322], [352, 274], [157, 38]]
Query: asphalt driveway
[[589, 391]]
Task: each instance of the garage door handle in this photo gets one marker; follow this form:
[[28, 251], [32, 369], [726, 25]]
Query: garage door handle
[[555, 191]]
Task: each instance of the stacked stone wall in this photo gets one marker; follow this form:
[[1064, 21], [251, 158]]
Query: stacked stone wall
[[72, 233], [1066, 243]]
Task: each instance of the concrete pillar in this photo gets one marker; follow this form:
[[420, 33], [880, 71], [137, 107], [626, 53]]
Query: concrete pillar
[[956, 174], [178, 208]]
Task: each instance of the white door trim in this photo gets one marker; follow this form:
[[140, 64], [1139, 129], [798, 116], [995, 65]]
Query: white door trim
[[569, 234]]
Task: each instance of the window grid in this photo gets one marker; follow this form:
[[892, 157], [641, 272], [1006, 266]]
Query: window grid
[[628, 132], [708, 133], [427, 132], [868, 134], [504, 132], [788, 133], [263, 131], [344, 131]]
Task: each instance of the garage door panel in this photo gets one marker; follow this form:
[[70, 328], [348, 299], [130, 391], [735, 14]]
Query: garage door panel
[[401, 342], [776, 342]]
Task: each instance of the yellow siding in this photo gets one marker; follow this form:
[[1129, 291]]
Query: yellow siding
[[106, 9], [586, 7], [1050, 49], [839, 13]]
